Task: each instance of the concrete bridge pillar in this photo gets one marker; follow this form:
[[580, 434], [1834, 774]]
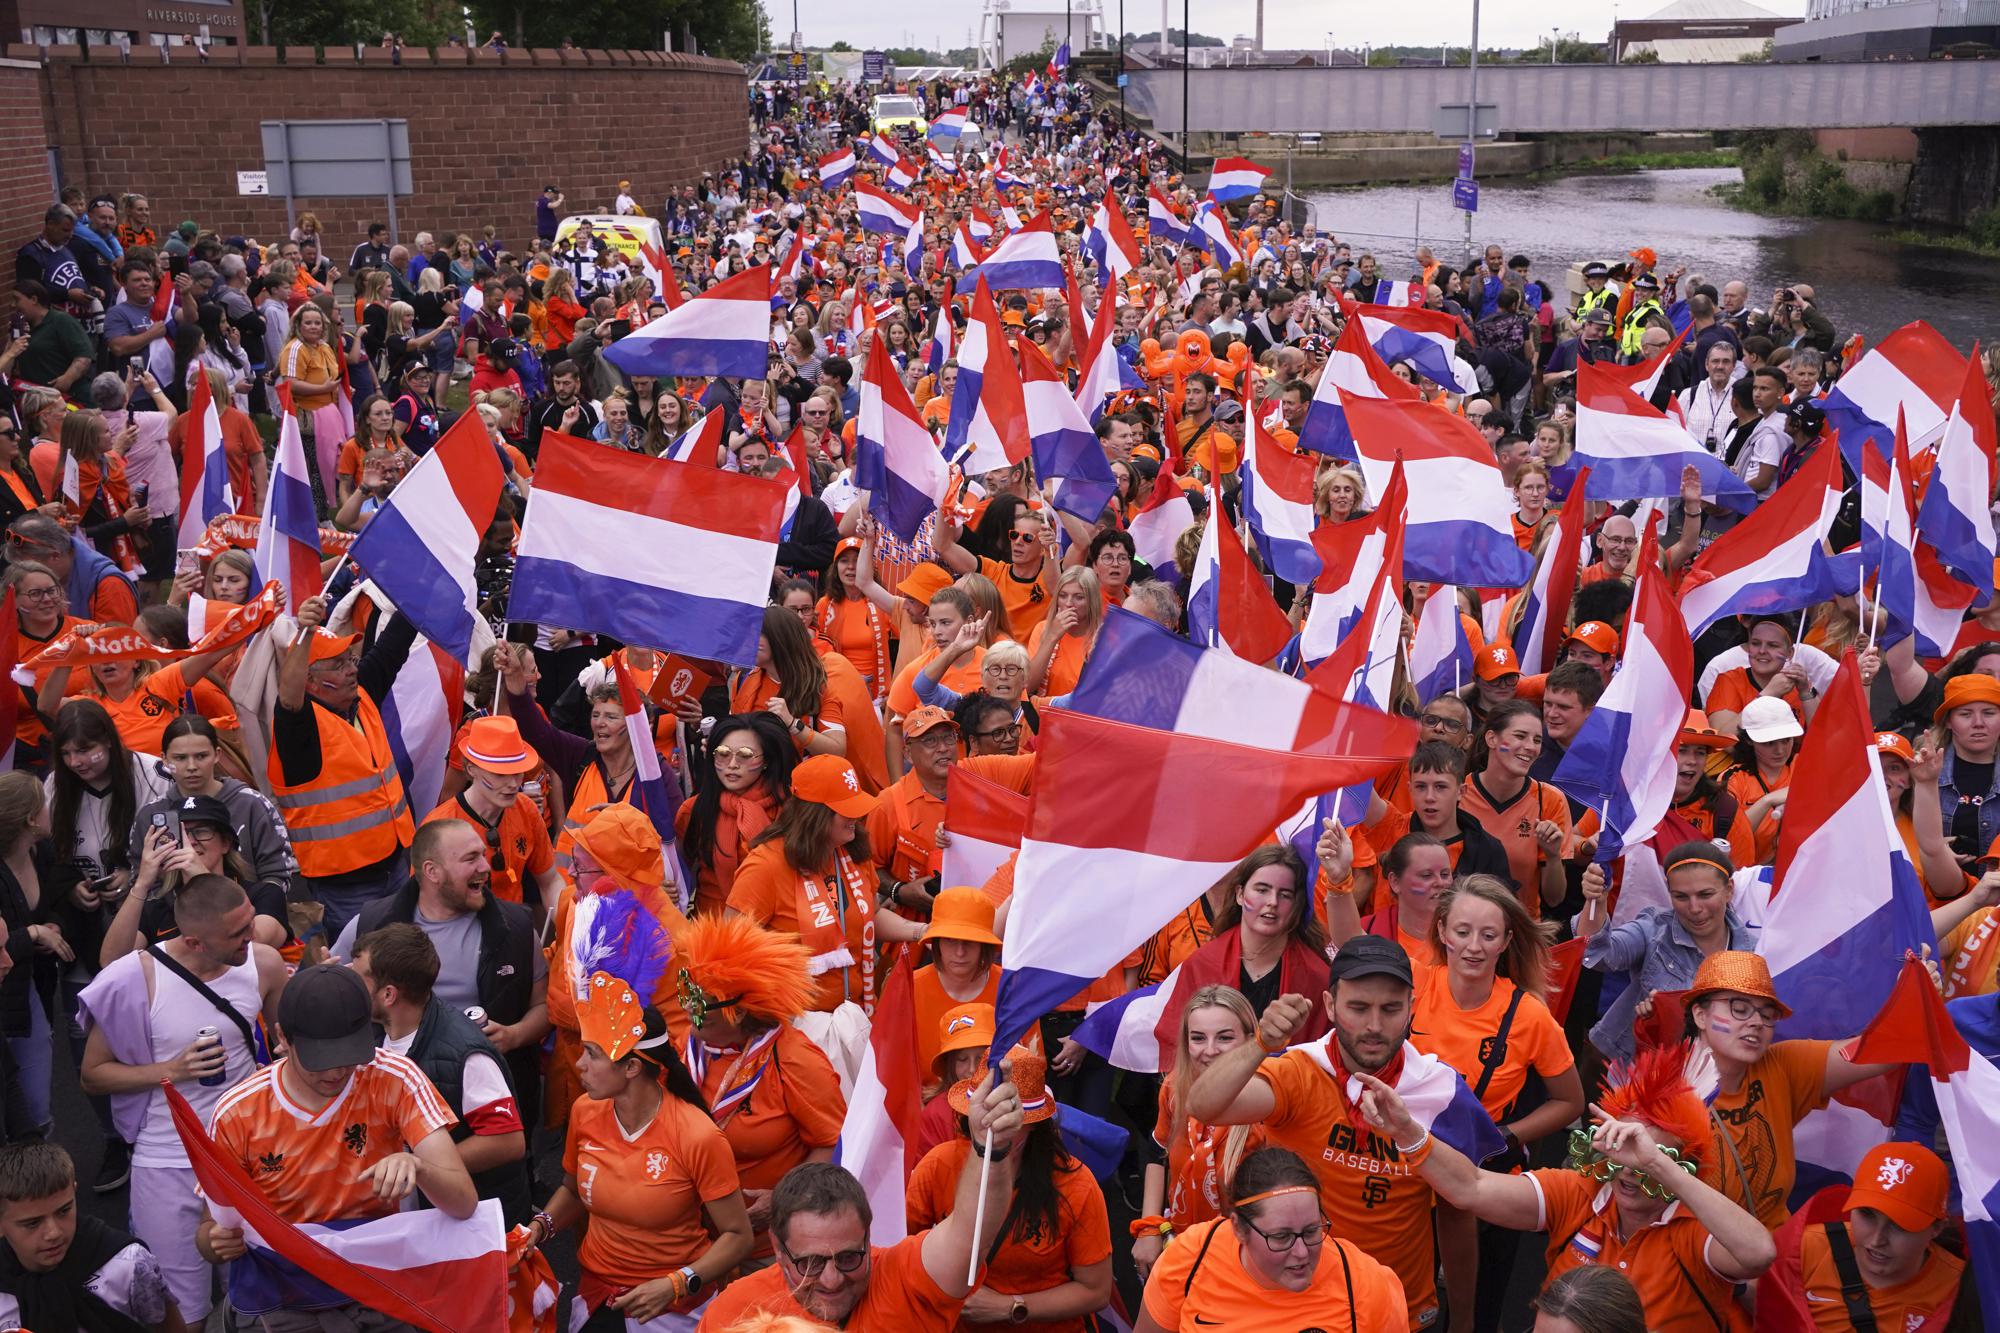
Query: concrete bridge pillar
[[1957, 174]]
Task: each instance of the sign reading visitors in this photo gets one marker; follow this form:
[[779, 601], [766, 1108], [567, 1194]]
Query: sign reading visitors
[[1465, 195], [253, 182], [874, 66]]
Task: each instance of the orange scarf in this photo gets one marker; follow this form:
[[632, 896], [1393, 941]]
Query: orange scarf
[[823, 929], [1974, 959]]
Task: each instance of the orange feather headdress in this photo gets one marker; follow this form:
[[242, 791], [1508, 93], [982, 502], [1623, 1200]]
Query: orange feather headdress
[[734, 962]]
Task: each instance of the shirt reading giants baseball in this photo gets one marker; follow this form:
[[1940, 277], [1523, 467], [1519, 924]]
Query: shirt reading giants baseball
[[1370, 1196]]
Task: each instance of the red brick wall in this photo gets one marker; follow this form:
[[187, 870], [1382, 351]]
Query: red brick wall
[[25, 188], [485, 134]]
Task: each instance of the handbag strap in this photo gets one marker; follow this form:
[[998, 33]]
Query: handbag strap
[[1735, 1162], [1496, 1054], [222, 1006]]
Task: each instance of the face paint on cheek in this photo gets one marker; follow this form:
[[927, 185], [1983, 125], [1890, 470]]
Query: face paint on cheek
[[1719, 1027]]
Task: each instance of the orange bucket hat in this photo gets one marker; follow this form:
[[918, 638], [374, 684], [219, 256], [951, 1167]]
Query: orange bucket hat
[[962, 914], [1738, 971]]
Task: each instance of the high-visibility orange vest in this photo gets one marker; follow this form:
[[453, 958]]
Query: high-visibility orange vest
[[354, 813]]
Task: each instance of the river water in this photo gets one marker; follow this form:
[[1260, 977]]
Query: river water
[[1863, 281]]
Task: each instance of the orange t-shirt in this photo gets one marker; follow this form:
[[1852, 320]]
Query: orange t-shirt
[[1175, 942], [1458, 1037], [1065, 664], [319, 362], [1733, 689], [796, 1107], [1514, 825], [1905, 1305], [306, 1163], [961, 679], [1747, 786], [901, 1295], [767, 891], [143, 715], [1371, 1196], [1666, 1262], [1787, 1081], [848, 625], [645, 1191], [1025, 600], [1221, 1293], [520, 837], [1022, 1265]]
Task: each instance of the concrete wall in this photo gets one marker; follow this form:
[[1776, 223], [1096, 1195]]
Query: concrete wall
[[485, 133], [1391, 158], [1957, 174], [1578, 98]]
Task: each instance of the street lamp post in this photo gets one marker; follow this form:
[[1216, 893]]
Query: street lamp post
[[1472, 107], [1186, 65], [1553, 34], [1123, 123]]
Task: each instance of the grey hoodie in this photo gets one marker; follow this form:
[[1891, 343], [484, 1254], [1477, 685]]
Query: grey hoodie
[[260, 830]]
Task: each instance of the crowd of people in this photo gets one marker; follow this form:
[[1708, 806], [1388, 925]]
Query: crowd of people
[[220, 884]]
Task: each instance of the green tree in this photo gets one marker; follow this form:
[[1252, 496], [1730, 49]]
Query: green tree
[[727, 28], [1646, 57]]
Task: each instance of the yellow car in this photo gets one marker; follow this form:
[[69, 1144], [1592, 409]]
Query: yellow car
[[897, 115]]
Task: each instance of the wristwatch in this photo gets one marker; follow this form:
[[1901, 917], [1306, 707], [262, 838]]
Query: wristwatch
[[1019, 1314], [694, 1283]]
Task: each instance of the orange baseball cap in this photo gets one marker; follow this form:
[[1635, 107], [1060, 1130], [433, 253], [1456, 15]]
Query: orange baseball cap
[[1596, 636], [1889, 742], [1496, 660], [926, 718], [1905, 1182], [326, 644], [829, 780], [495, 744]]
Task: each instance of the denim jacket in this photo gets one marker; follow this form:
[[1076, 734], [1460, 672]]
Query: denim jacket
[[1950, 797], [1655, 950]]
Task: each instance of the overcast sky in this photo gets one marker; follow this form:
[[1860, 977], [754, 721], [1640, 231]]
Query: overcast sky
[[1291, 23]]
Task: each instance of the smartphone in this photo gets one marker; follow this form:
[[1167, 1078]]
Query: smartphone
[[170, 821], [187, 560], [176, 265]]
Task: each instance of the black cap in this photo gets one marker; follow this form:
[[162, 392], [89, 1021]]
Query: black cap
[[1371, 956], [1646, 282], [1596, 268], [207, 810], [1808, 416], [328, 1020]]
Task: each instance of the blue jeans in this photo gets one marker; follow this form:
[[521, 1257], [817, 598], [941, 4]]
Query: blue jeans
[[343, 900], [31, 1058]]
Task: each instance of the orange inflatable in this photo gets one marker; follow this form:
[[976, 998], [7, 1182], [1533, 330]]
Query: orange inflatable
[[1192, 355]]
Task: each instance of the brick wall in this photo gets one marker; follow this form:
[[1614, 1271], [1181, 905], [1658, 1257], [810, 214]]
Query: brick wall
[[25, 189], [485, 132]]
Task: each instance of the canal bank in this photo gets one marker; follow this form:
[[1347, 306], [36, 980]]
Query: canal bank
[[1867, 279], [1313, 161]]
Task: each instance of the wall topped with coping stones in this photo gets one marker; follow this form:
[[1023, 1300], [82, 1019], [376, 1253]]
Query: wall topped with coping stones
[[487, 130]]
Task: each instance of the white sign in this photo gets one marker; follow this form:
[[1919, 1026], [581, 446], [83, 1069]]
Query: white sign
[[253, 182]]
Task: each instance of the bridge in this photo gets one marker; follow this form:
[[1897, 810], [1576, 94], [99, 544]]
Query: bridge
[[1573, 99]]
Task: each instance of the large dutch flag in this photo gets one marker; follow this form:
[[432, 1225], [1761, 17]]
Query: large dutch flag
[[423, 1268], [949, 124], [1110, 242], [895, 459], [1212, 233], [1277, 501], [985, 821], [1101, 815], [1388, 292], [836, 168], [1024, 259], [1776, 559], [1915, 369], [1235, 178], [988, 428], [724, 331], [1635, 453], [671, 555], [421, 545], [1914, 1026], [964, 249], [878, 1139], [1160, 523], [288, 538], [1065, 448], [1427, 339], [883, 151], [1163, 224], [1104, 372], [1355, 558], [1228, 604], [1914, 592], [1957, 509], [1545, 614], [205, 490], [1354, 370], [1622, 761], [1460, 525], [1440, 652], [881, 212]]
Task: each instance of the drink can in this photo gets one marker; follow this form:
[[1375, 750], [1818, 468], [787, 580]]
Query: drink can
[[477, 1015], [205, 1036]]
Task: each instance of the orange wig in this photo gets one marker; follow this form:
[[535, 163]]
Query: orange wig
[[1654, 1090], [737, 962]]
